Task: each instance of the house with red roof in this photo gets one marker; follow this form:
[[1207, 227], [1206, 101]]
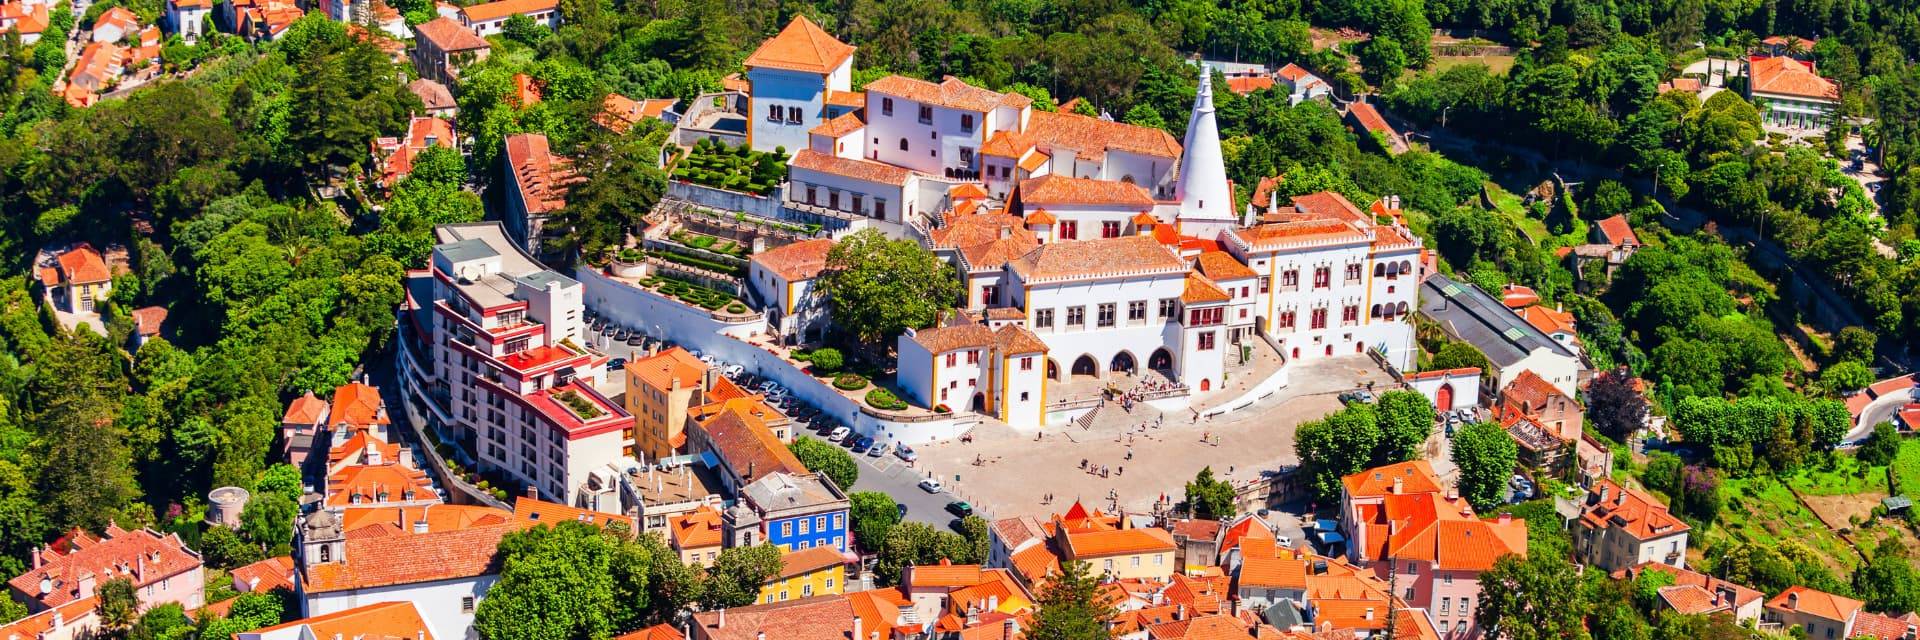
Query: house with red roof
[[1695, 593], [1367, 121], [1621, 527], [71, 569], [76, 278], [537, 181], [395, 620], [619, 113], [487, 18], [442, 46], [784, 278], [1302, 85], [77, 620], [114, 25], [1448, 389], [393, 157], [1818, 613], [30, 17], [1407, 527], [1790, 92], [792, 81]]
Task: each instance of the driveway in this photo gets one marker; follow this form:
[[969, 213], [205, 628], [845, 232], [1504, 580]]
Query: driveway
[[889, 475], [1881, 410]]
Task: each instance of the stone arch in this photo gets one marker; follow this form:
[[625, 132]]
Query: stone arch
[[1161, 360], [1085, 365], [1123, 362], [1053, 370]]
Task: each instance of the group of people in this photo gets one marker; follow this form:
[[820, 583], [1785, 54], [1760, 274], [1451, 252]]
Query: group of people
[[1141, 389], [1105, 471]]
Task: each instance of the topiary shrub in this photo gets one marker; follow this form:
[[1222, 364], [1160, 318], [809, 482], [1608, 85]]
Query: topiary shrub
[[827, 360], [849, 382], [736, 308], [884, 399]]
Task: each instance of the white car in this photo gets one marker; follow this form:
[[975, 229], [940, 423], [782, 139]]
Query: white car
[[733, 371], [838, 434], [931, 485]]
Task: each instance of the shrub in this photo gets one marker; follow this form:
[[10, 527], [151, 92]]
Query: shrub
[[942, 409], [850, 382], [827, 360], [884, 399], [631, 254], [736, 308]]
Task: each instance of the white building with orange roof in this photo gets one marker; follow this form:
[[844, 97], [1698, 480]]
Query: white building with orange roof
[[783, 280], [1405, 526], [853, 187], [1790, 92], [31, 18], [1121, 553], [938, 128], [1448, 389], [393, 157], [968, 365], [114, 25], [1084, 208], [488, 18], [537, 184], [697, 535], [187, 18], [1332, 279], [661, 391], [1621, 527], [791, 79], [1819, 614], [382, 620], [76, 279], [1301, 84]]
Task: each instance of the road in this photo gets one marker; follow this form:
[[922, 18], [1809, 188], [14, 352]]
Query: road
[[1881, 410], [889, 475]]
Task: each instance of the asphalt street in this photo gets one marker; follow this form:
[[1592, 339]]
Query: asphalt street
[[888, 474], [1881, 410]]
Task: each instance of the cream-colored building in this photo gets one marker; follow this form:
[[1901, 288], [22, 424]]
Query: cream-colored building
[[1620, 528]]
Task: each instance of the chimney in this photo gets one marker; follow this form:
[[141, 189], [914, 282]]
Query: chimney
[[1398, 486], [86, 585], [856, 625], [36, 557], [993, 603], [533, 492], [139, 568], [1604, 491], [420, 526], [58, 620], [721, 623], [761, 635], [1180, 612], [373, 456], [973, 615], [1793, 601], [1007, 629]]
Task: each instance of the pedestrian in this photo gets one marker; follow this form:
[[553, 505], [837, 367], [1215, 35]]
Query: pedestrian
[[1123, 471]]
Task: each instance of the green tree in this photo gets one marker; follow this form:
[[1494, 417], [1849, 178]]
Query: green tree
[[166, 621], [568, 580], [119, 604], [268, 521], [1406, 421], [1070, 607], [1210, 499], [1854, 343], [87, 475], [916, 543], [1846, 376], [250, 611], [281, 478], [1532, 598], [979, 539], [879, 288], [1485, 455], [13, 610], [1340, 444], [1382, 60], [1882, 446], [1889, 582], [1145, 115], [735, 578], [439, 166], [225, 549], [827, 459], [826, 360], [1458, 355], [873, 514], [521, 28]]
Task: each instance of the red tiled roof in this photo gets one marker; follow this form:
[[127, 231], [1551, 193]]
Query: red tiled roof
[[386, 522], [1548, 321], [306, 409], [801, 46], [1815, 603], [82, 265], [384, 621], [141, 555], [818, 618], [1054, 189], [147, 320], [864, 170], [1370, 118], [1783, 75], [696, 529], [748, 447], [1244, 86], [1220, 265], [803, 260], [266, 575], [951, 93], [1104, 257], [1874, 625], [1445, 373], [1633, 511], [506, 8], [73, 616], [544, 177], [843, 125], [1200, 290], [1530, 391], [1059, 131], [1617, 231], [809, 560], [1215, 627], [1416, 476], [358, 404], [1294, 72], [660, 631], [448, 35], [369, 481], [1082, 545], [531, 512], [412, 559]]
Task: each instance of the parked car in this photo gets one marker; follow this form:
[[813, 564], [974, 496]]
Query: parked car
[[877, 451], [636, 340], [862, 445], [733, 370], [616, 363], [903, 510], [838, 434], [931, 485], [905, 452], [960, 508]]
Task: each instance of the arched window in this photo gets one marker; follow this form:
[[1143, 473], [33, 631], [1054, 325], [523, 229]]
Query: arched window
[[326, 553], [1379, 269], [1376, 311], [1403, 308], [1406, 267]]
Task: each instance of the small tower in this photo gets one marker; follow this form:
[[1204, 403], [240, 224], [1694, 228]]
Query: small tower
[[1206, 198], [224, 506], [322, 539]]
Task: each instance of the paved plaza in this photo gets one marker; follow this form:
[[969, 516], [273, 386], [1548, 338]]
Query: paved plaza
[[1015, 471]]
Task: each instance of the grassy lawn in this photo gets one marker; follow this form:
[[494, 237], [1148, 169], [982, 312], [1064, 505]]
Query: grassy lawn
[[1765, 511], [1848, 477], [1509, 205], [1906, 467], [1497, 64]]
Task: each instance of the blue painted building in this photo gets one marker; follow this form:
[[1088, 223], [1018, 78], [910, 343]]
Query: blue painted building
[[793, 512]]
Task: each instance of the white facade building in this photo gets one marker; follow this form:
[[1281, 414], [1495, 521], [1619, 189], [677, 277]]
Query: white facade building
[[488, 18], [793, 77], [505, 359], [1205, 195]]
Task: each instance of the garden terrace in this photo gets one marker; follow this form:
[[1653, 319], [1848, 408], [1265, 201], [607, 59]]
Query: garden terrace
[[721, 304], [732, 168]]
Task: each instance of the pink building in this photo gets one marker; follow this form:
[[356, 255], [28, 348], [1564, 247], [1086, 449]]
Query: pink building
[[1410, 529], [161, 568]]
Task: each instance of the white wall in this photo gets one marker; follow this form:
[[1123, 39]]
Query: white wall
[[1344, 338], [1066, 345], [656, 315], [1024, 391], [1560, 371], [1466, 390], [438, 601], [897, 198], [786, 90], [931, 148]]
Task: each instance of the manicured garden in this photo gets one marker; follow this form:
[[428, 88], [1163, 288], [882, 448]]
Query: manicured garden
[[710, 243], [703, 297], [733, 168], [580, 406]]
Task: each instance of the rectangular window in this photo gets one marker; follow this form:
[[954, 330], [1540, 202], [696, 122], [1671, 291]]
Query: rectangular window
[[1206, 341], [793, 115], [858, 200], [829, 582], [880, 208], [886, 106], [466, 604], [806, 590], [1026, 364], [953, 359], [803, 527], [1136, 561], [833, 200], [966, 157], [1167, 308], [1351, 314], [1286, 319], [926, 114], [989, 294], [1137, 311], [973, 357], [966, 126], [1106, 316], [1322, 277], [1353, 273], [810, 195], [773, 113], [1110, 229], [1069, 230], [1446, 604], [1319, 319], [1266, 283], [1043, 318], [820, 524], [1290, 278], [1076, 316], [786, 529]]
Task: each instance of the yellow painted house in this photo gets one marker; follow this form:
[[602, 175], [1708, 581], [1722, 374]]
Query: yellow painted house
[[816, 571]]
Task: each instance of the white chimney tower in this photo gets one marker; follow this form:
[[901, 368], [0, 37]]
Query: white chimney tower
[[1206, 199]]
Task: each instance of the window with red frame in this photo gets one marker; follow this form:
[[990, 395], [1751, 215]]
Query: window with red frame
[[1322, 277], [1319, 319]]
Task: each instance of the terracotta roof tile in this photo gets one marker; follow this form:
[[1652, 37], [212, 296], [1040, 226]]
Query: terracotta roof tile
[[803, 260], [399, 620], [749, 448], [846, 124], [938, 340], [426, 557], [1815, 603], [1633, 511], [307, 409], [448, 35], [1244, 86], [1617, 231], [1444, 373], [848, 99], [809, 560], [82, 265], [1782, 75], [1416, 476], [1055, 189], [1200, 290], [1293, 72], [1216, 627], [147, 320], [266, 575], [1370, 118], [433, 95], [1057, 131], [544, 177], [1101, 258], [359, 405], [1873, 625], [660, 631], [142, 555], [1099, 544], [817, 618], [659, 370], [530, 512], [1222, 266], [1548, 321], [375, 522], [865, 170], [696, 529], [951, 93], [368, 482], [506, 8], [1016, 340], [801, 46]]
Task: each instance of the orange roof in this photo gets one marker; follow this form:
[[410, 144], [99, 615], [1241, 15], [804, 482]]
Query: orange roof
[[619, 113], [1687, 577], [1874, 625], [668, 369], [1033, 161], [1630, 510], [748, 446], [506, 8], [1415, 476], [1099, 544], [1617, 231], [1529, 391], [367, 482], [879, 610], [1782, 75], [542, 176], [1815, 603], [1104, 257], [951, 93], [1040, 217], [1054, 189], [696, 529], [1035, 563], [1264, 566], [865, 170], [1445, 373], [1294, 72], [803, 260], [1215, 627], [1200, 290], [384, 620], [266, 575], [844, 125], [849, 99], [1244, 86], [1062, 131], [1297, 233], [662, 631], [1548, 321], [801, 46], [448, 35], [358, 404], [1247, 528], [147, 320], [945, 574], [141, 555], [1690, 599], [531, 512], [1202, 595], [117, 17], [1890, 385], [967, 191], [809, 560], [1222, 266], [307, 409], [1370, 118], [426, 557], [376, 522], [82, 265], [1516, 296]]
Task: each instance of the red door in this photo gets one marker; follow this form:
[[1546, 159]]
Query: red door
[[1444, 399]]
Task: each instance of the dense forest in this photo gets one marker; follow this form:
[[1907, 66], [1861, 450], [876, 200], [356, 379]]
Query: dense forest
[[211, 179]]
